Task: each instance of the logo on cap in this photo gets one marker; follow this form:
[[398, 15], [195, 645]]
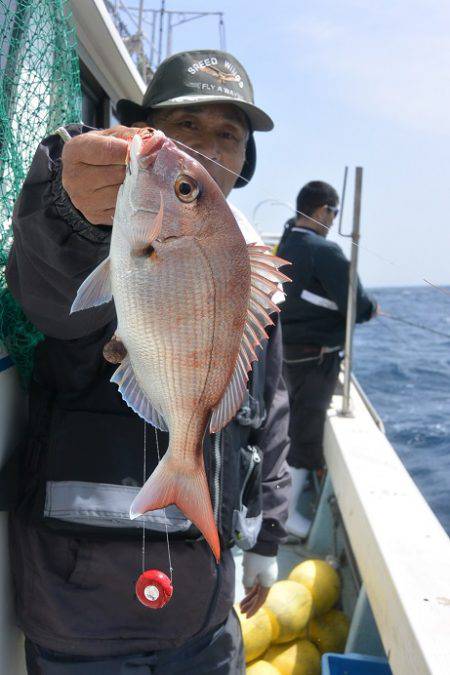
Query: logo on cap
[[209, 66]]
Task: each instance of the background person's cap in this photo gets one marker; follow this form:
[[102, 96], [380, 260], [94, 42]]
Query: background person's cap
[[197, 77]]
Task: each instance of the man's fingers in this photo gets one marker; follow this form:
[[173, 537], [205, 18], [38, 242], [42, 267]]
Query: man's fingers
[[251, 603], [254, 599], [263, 593], [257, 601], [250, 592], [95, 202], [96, 149], [247, 602], [105, 176], [101, 217], [120, 131], [88, 178]]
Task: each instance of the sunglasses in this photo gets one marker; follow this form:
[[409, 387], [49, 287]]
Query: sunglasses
[[334, 210]]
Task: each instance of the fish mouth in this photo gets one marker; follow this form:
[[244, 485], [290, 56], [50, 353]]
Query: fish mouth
[[152, 142]]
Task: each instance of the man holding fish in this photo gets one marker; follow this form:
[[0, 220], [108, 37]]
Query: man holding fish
[[185, 365]]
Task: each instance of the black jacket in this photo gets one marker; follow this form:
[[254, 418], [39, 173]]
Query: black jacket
[[315, 309], [75, 553]]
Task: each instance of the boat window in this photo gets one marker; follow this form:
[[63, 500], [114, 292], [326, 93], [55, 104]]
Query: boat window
[[95, 102]]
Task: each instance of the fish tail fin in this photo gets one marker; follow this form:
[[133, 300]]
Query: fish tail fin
[[187, 488]]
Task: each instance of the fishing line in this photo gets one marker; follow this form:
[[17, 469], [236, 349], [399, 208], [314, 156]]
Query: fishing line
[[412, 323], [164, 510], [328, 227], [144, 478], [290, 206], [305, 215], [210, 159]]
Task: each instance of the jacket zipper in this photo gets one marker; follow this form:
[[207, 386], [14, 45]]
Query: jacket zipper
[[255, 459], [217, 464]]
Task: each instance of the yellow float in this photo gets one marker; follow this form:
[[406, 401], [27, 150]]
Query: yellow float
[[329, 631], [291, 603], [297, 658], [256, 633], [321, 580], [261, 668]]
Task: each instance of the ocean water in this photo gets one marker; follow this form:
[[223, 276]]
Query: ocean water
[[405, 371]]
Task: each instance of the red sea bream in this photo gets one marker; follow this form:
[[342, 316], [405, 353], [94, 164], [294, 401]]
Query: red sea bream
[[192, 302]]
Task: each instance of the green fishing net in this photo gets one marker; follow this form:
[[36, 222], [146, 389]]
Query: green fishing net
[[39, 91]]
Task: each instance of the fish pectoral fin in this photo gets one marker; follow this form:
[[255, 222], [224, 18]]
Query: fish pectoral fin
[[144, 230], [95, 289], [134, 397], [187, 489]]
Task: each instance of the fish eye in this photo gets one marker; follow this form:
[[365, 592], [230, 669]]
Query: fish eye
[[186, 188]]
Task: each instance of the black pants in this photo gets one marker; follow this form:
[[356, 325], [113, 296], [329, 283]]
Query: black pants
[[219, 653], [311, 384]]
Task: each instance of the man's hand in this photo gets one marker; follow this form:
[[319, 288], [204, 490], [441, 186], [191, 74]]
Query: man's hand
[[260, 572], [94, 169]]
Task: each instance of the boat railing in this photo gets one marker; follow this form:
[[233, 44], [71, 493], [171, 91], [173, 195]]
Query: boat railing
[[401, 550], [368, 403], [352, 284]]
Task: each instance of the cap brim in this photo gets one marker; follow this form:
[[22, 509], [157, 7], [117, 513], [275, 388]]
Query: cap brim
[[129, 112]]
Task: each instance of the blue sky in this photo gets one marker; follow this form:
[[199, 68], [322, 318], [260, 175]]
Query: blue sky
[[351, 82]]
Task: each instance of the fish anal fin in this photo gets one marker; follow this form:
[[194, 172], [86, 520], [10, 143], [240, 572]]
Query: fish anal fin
[[187, 488], [95, 289], [135, 397]]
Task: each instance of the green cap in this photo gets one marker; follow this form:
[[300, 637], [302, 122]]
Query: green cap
[[198, 77]]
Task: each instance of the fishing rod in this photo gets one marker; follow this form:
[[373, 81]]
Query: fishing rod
[[412, 323]]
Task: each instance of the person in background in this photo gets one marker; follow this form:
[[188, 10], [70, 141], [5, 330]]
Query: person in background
[[313, 322]]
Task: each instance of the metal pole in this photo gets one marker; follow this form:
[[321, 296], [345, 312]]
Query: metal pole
[[152, 46], [141, 52], [344, 187], [161, 26], [169, 35], [222, 33], [352, 291]]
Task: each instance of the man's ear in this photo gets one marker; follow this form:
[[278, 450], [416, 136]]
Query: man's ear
[[320, 213]]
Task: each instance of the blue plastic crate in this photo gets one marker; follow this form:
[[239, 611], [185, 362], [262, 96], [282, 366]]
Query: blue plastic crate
[[354, 664]]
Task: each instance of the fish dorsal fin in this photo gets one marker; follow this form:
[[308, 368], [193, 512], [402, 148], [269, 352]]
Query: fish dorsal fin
[[95, 289], [264, 277], [134, 397]]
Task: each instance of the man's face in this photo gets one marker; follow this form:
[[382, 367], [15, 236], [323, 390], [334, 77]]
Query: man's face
[[217, 130], [326, 216]]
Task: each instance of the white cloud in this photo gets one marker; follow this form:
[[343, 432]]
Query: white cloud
[[389, 58]]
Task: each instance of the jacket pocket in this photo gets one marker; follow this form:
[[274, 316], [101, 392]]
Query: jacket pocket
[[247, 517]]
